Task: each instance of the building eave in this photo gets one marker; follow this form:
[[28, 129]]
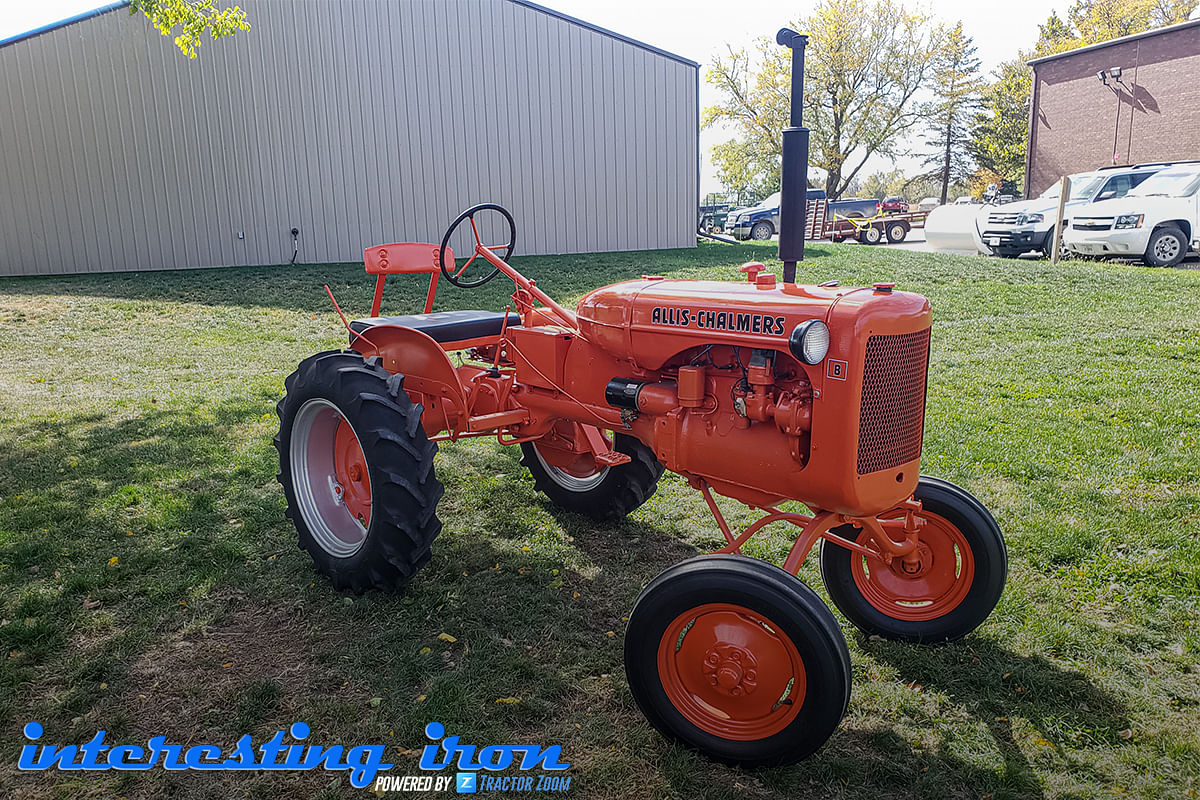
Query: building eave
[[1191, 23], [62, 23], [605, 31]]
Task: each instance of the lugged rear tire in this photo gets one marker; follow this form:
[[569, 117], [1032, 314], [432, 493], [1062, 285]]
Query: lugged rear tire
[[341, 388], [616, 494]]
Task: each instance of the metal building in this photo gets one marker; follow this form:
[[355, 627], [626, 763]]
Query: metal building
[[354, 121]]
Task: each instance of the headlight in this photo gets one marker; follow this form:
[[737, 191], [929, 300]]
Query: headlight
[[1129, 221], [1029, 219], [809, 341]]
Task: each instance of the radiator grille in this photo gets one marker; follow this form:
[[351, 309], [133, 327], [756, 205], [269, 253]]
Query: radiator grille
[[892, 418]]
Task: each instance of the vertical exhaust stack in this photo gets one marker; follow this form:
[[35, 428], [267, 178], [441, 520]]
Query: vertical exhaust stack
[[793, 205]]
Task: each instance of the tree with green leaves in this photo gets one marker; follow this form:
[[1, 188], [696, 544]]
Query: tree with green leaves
[[1001, 127], [956, 89], [193, 18], [865, 63]]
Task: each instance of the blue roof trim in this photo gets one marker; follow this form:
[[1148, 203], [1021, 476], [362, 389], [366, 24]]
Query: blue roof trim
[[62, 23], [606, 32]]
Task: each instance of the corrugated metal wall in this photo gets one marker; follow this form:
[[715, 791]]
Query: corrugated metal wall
[[356, 121]]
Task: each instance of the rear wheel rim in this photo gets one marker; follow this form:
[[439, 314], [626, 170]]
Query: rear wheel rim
[[935, 587], [330, 477], [731, 672]]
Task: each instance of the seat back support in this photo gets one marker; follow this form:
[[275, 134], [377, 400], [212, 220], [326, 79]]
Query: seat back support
[[402, 258]]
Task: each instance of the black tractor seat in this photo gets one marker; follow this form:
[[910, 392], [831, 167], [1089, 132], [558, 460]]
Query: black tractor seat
[[445, 326]]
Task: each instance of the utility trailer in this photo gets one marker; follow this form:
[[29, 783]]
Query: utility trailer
[[893, 228]]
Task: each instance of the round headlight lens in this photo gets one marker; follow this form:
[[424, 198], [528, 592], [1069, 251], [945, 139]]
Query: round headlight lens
[[809, 341]]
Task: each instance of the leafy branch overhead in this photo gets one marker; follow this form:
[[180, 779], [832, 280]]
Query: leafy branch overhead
[[192, 18]]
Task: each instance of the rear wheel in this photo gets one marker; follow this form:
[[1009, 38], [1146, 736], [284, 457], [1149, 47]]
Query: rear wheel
[[576, 482], [896, 232], [950, 593], [1166, 248], [761, 231], [738, 659], [357, 472]]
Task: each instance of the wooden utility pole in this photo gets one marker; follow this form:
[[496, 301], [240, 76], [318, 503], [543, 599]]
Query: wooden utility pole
[[1064, 190]]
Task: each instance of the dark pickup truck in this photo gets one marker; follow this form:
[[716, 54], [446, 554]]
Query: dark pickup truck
[[762, 221]]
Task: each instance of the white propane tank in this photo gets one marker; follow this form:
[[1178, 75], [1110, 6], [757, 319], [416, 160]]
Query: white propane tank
[[948, 228]]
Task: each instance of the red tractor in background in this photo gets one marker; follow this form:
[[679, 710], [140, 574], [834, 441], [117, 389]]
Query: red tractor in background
[[762, 391]]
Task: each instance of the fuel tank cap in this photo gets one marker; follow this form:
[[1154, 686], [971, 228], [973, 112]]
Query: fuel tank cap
[[884, 288]]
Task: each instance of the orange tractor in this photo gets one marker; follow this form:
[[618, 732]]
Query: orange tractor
[[763, 391]]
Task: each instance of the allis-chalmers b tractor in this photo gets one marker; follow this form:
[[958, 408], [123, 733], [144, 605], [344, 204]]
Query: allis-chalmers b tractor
[[762, 391]]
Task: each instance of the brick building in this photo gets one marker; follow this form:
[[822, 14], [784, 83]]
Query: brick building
[[1144, 107]]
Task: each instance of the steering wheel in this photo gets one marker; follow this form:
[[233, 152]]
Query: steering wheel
[[455, 275]]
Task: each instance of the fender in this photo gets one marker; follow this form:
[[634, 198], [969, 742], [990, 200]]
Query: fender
[[429, 375]]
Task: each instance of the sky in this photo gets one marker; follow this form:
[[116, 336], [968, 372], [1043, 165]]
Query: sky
[[699, 30]]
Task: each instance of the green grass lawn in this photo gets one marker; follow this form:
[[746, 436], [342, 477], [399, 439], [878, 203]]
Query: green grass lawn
[[150, 584]]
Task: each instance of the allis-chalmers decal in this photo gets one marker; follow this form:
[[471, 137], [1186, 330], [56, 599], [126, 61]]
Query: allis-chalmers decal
[[718, 320]]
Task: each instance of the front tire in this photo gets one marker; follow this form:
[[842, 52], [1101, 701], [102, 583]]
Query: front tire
[[963, 568], [357, 472], [871, 235], [600, 492], [761, 231], [1064, 252], [1166, 248], [738, 659]]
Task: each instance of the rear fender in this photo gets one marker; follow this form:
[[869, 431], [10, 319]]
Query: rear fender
[[429, 375]]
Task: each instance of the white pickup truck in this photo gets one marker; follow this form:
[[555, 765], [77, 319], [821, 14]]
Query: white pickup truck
[[1156, 221]]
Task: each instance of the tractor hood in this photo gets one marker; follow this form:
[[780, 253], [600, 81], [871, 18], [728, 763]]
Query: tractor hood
[[648, 321]]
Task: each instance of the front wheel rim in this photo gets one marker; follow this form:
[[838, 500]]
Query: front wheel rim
[[330, 478], [731, 672], [1166, 248], [572, 483], [935, 587]]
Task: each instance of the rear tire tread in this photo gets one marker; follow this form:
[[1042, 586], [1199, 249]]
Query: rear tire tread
[[405, 488]]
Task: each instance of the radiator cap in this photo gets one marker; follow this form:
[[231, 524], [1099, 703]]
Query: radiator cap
[[884, 288]]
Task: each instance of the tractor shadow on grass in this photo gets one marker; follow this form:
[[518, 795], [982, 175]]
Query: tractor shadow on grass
[[1018, 698]]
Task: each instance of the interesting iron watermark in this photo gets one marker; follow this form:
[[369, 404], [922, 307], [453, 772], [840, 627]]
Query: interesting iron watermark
[[364, 763]]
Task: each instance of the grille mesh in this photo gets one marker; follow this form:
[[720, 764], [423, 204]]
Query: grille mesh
[[892, 418]]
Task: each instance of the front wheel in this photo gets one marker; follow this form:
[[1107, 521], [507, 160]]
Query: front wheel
[[761, 231], [575, 481], [1166, 248], [952, 590], [1064, 252], [738, 659], [871, 235]]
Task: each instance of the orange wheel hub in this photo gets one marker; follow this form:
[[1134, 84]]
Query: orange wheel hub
[[350, 468], [731, 672], [929, 589]]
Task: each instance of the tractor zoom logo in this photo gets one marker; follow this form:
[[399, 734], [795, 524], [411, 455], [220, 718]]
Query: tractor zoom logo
[[718, 320]]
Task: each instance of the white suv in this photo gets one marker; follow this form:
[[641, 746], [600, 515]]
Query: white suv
[[1028, 225], [1156, 221]]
